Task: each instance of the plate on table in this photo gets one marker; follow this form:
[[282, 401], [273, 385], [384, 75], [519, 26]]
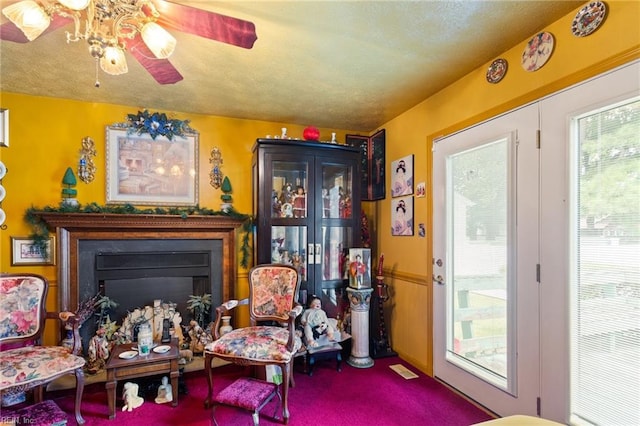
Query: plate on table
[[128, 354], [162, 349], [3, 170]]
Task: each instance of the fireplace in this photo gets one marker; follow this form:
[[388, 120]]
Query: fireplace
[[136, 259]]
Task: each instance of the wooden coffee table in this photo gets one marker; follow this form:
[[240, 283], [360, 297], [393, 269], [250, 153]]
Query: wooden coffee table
[[140, 366]]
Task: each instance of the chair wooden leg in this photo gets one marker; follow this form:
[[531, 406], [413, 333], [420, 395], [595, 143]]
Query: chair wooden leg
[[286, 375], [292, 379], [79, 390], [208, 361], [37, 393]]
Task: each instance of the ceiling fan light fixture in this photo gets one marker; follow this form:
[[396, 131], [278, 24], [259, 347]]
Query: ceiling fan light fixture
[[113, 61], [158, 40], [75, 4], [29, 17]]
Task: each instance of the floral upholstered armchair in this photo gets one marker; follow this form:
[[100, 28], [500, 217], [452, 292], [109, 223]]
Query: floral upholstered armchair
[[24, 363], [273, 294]]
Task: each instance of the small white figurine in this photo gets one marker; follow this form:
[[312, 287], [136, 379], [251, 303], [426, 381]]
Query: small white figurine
[[165, 393], [130, 396]]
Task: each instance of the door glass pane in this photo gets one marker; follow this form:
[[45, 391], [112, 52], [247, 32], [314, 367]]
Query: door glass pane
[[605, 281], [288, 197], [289, 246], [336, 191], [335, 240], [478, 240]]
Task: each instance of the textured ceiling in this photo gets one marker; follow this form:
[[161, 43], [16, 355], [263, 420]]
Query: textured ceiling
[[339, 64]]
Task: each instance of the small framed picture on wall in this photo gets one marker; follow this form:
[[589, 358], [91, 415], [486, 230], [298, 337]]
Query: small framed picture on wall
[[25, 251], [402, 216], [402, 176]]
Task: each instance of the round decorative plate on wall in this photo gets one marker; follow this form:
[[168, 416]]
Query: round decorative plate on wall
[[538, 51], [589, 18], [497, 70]]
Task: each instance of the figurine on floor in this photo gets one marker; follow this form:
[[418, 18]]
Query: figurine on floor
[[130, 396], [165, 393], [315, 323]]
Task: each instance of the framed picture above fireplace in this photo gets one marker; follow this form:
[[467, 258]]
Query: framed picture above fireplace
[[142, 170], [25, 251]]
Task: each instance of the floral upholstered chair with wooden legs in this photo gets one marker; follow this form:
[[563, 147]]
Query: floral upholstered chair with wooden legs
[[273, 293], [24, 363]]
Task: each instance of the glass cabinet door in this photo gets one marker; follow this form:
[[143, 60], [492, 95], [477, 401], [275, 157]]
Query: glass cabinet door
[[289, 213], [289, 246], [336, 235], [337, 190], [289, 189]]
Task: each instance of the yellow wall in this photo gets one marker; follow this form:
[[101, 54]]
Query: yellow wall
[[470, 100], [46, 135], [45, 138]]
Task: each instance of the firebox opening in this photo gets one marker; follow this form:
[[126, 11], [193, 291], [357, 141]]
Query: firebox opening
[[140, 292]]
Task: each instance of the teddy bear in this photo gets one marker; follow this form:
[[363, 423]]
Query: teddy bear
[[315, 323]]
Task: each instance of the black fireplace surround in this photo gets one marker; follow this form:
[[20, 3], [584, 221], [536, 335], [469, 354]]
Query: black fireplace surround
[[135, 272]]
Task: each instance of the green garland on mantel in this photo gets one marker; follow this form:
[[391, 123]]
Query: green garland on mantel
[[40, 234]]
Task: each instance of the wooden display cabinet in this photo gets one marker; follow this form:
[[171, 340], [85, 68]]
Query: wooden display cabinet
[[306, 204]]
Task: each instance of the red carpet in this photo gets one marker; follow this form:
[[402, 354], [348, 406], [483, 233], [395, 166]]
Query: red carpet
[[372, 396]]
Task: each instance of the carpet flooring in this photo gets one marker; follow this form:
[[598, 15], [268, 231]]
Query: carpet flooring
[[357, 397]]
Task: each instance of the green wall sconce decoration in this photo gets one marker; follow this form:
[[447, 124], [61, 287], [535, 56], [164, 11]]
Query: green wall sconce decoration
[[226, 196], [68, 193]]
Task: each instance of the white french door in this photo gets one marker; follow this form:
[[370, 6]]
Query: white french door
[[485, 188], [590, 251], [537, 256]]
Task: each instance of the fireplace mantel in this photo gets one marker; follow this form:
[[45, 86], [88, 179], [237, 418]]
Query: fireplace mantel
[[71, 228], [137, 221]]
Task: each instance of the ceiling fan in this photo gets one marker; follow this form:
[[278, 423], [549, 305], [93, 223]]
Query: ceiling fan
[[112, 26]]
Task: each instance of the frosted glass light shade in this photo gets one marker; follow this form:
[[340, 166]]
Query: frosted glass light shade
[[113, 61], [158, 40], [75, 4], [29, 17]]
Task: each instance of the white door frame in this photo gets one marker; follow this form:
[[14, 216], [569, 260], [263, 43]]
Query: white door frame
[[523, 364]]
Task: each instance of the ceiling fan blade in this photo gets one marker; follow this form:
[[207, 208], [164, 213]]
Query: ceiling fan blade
[[9, 32], [206, 24], [160, 69]]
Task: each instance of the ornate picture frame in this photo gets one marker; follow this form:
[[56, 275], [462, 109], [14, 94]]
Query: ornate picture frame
[[24, 251], [372, 167], [142, 170]]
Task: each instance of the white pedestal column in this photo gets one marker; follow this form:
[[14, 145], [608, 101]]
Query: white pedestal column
[[359, 301]]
